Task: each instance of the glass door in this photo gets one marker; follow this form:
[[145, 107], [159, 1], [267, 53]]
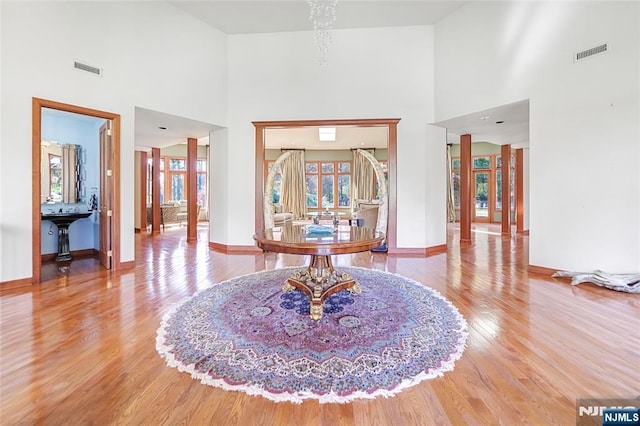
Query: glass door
[[481, 184]]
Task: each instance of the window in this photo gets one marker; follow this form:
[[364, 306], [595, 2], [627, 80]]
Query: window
[[330, 181], [327, 181], [344, 184], [177, 186], [149, 181], [456, 182], [162, 185], [383, 165], [499, 189], [499, 182], [328, 190], [173, 180], [177, 164], [201, 182], [176, 178], [276, 195], [482, 162], [311, 179], [487, 169], [55, 177]]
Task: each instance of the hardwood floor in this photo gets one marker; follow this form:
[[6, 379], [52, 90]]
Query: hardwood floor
[[80, 347]]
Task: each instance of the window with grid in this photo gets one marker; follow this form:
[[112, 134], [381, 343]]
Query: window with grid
[[201, 182], [328, 184], [173, 176], [455, 167], [512, 175]]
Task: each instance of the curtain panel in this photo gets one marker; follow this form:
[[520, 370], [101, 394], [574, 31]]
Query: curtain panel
[[294, 190], [363, 179]]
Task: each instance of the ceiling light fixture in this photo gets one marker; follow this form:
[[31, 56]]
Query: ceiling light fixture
[[327, 134], [322, 15]]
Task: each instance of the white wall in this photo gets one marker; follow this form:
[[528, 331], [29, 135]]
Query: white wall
[[584, 117], [526, 185], [153, 56], [372, 73], [137, 184], [219, 188]]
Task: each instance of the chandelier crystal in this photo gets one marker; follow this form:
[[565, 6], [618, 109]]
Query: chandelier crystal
[[322, 15]]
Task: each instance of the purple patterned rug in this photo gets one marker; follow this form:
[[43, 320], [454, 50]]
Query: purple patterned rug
[[246, 334]]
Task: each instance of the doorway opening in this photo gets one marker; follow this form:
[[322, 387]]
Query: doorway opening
[[107, 194], [486, 183], [392, 131]]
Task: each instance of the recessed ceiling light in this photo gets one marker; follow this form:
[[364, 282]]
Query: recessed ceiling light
[[499, 122], [162, 128]]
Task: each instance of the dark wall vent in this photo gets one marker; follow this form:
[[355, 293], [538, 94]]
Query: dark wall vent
[[88, 68], [590, 52]]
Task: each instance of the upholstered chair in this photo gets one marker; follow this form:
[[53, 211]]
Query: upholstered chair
[[368, 213]]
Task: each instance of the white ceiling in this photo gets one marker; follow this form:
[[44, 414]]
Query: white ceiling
[[347, 137], [242, 17], [236, 17], [148, 132], [484, 126]]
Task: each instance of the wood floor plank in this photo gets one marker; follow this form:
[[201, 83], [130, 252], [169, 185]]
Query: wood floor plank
[[79, 348]]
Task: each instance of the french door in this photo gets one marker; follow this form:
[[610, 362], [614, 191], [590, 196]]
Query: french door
[[482, 210]]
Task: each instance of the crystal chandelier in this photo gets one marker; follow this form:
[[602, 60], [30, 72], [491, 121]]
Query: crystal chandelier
[[323, 15]]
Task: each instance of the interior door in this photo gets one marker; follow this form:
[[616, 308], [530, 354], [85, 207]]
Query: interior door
[[106, 194], [482, 196]]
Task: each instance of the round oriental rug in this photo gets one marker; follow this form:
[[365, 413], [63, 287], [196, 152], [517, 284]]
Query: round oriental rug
[[246, 334]]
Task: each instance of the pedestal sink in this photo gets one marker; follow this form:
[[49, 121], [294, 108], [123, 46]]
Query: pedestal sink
[[62, 221]]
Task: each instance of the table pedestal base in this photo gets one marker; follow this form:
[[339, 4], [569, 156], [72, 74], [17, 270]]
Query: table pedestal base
[[320, 281]]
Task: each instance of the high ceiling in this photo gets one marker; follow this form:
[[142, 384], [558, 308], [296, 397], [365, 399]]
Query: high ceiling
[[237, 17], [243, 17]]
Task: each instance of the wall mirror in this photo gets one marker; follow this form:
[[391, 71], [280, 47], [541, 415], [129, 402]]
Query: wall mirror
[[62, 173]]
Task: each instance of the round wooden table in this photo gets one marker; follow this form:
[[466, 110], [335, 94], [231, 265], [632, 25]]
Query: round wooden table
[[320, 280]]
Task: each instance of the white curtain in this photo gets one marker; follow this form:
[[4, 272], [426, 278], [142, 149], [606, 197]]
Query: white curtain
[[363, 185], [293, 189]]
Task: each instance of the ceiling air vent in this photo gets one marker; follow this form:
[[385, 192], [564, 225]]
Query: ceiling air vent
[[590, 52], [88, 68]]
